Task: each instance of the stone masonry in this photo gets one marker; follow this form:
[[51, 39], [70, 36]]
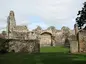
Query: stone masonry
[[20, 35], [21, 32], [78, 41], [30, 46]]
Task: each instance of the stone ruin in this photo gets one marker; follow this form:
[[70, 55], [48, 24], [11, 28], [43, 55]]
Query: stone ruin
[[19, 39], [48, 37], [78, 41], [16, 45], [30, 46], [82, 40]]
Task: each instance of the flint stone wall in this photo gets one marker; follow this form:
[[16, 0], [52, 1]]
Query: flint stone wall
[[82, 41], [73, 44], [30, 46]]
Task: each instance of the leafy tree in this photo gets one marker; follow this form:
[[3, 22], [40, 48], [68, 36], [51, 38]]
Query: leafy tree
[[66, 31], [4, 32], [81, 16], [52, 28], [38, 27]]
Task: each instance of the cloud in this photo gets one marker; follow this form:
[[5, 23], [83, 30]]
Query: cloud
[[34, 25], [3, 23], [47, 12]]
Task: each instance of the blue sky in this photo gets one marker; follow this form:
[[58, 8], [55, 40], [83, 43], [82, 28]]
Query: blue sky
[[44, 13]]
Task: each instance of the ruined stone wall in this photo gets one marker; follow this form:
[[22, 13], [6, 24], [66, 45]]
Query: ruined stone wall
[[78, 42], [59, 39], [32, 35], [30, 46], [82, 41], [20, 35]]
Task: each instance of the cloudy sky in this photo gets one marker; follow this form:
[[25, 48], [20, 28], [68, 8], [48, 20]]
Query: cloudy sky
[[44, 13]]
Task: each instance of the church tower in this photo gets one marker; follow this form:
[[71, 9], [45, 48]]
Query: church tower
[[11, 23]]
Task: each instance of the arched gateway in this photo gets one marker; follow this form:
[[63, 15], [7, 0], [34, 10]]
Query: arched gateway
[[46, 39]]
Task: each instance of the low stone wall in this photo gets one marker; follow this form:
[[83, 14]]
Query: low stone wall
[[30, 46]]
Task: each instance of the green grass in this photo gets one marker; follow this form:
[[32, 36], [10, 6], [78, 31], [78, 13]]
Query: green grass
[[54, 49], [48, 55]]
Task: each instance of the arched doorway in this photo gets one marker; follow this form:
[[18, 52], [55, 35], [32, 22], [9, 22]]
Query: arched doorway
[[46, 39]]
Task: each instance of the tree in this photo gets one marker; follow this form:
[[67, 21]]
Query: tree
[[81, 16], [4, 33], [38, 28], [52, 28], [66, 31]]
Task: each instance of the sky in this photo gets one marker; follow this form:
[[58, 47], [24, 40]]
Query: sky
[[42, 13]]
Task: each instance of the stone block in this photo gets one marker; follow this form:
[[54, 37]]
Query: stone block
[[73, 46]]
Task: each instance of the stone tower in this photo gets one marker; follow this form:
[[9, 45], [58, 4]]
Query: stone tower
[[11, 23]]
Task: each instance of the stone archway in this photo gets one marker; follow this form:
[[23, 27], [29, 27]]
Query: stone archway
[[67, 43], [46, 39]]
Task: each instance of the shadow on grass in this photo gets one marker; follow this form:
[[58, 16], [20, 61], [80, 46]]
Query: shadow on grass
[[43, 58]]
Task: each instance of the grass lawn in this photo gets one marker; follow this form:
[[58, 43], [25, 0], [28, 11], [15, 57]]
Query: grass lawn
[[54, 49], [48, 55]]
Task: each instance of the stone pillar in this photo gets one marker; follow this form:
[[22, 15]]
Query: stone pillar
[[11, 23], [76, 28], [73, 44]]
